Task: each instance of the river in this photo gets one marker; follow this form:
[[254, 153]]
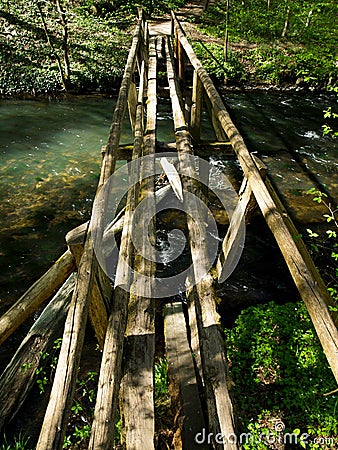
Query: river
[[50, 162]]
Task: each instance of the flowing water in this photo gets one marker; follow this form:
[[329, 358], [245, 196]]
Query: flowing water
[[50, 162], [286, 132]]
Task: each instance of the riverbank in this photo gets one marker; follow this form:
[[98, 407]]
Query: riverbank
[[76, 49]]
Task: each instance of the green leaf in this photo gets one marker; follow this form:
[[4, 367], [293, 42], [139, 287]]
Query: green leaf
[[311, 233]]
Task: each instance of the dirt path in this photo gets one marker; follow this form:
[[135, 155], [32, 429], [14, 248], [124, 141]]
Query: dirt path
[[191, 12], [192, 9]]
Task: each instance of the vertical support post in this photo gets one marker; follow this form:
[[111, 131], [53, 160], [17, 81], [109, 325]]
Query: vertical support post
[[180, 59], [196, 108], [219, 131], [132, 104]]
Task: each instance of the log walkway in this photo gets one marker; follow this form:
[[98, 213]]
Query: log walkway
[[122, 305]]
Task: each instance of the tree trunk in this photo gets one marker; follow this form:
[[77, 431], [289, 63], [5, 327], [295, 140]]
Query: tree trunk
[[287, 20], [226, 40], [63, 71], [309, 16], [65, 47], [40, 291]]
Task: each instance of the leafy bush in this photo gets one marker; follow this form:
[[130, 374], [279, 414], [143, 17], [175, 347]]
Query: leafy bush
[[280, 373], [315, 67], [311, 30], [97, 48], [271, 65], [212, 58]]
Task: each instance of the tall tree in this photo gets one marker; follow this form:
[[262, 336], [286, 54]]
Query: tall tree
[[64, 68], [287, 20]]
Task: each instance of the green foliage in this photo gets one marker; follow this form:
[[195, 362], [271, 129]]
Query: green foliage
[[161, 377], [98, 44], [82, 411], [327, 129], [20, 442], [315, 65], [42, 379], [306, 52], [162, 398], [212, 56], [271, 64], [280, 374], [327, 243]]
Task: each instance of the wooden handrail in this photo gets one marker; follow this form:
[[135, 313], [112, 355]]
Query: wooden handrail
[[312, 291]]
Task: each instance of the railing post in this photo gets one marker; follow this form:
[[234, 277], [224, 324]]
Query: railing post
[[132, 104], [180, 60], [196, 108]]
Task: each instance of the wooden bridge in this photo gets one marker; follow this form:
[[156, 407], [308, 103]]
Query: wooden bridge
[[124, 319]]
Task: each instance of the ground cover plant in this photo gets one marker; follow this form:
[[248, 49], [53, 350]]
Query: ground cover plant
[[80, 46], [284, 42], [281, 380]]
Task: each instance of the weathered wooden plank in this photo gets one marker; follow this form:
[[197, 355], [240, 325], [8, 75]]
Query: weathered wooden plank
[[137, 383], [109, 160], [191, 295], [234, 233], [40, 291], [220, 410], [306, 285], [102, 434], [180, 60], [132, 104], [102, 290], [244, 209], [98, 305], [56, 417], [17, 379], [183, 380], [219, 132], [55, 421], [203, 148], [173, 177]]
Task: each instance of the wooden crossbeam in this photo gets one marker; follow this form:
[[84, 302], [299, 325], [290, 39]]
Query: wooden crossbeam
[[40, 291]]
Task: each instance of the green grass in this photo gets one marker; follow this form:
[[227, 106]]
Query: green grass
[[306, 53], [280, 374], [19, 442]]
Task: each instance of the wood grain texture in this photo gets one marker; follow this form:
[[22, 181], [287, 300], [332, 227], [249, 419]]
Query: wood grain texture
[[40, 291], [19, 376], [214, 363]]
